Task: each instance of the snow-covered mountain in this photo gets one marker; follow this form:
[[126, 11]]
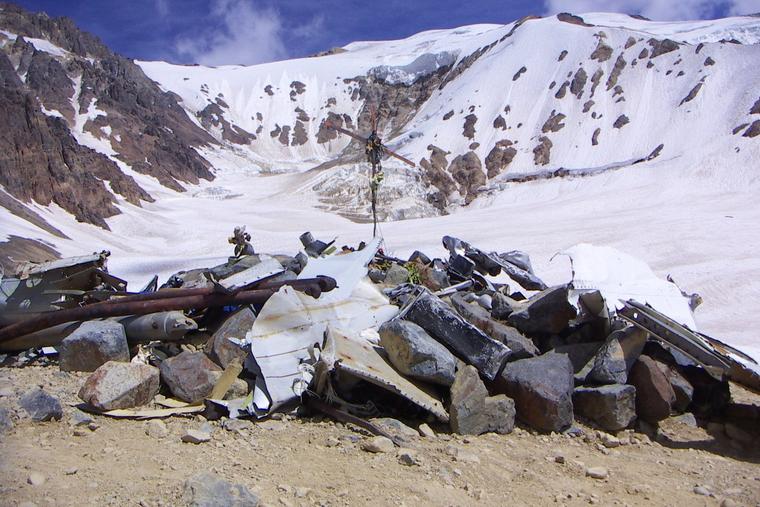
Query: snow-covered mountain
[[485, 104], [537, 135]]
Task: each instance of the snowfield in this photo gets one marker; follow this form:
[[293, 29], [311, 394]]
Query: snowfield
[[692, 212]]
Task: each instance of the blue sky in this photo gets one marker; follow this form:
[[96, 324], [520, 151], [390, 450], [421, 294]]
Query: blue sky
[[216, 32]]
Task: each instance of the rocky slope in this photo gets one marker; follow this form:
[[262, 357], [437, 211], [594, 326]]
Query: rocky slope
[[478, 108], [79, 121]]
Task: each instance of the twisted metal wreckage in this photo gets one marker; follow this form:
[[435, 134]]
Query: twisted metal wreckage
[[312, 335]]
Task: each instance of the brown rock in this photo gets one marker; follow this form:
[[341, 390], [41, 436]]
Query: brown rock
[[190, 375], [654, 394], [120, 385], [542, 152]]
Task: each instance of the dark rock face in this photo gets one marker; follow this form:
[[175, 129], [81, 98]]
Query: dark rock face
[[299, 134], [208, 490], [473, 412], [617, 356], [542, 388], [542, 152], [468, 130], [190, 375], [93, 344], [755, 108], [499, 158], [462, 338], [213, 116], [753, 130], [148, 129], [562, 55], [467, 170], [612, 407], [436, 175], [519, 73], [581, 356], [578, 82], [620, 64], [572, 19], [630, 42], [500, 123], [621, 122], [553, 123], [595, 80], [544, 314], [603, 52], [654, 395], [595, 136], [661, 47], [521, 346], [41, 406], [562, 90], [692, 94], [120, 385], [413, 352]]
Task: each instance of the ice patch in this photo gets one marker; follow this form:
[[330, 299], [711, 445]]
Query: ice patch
[[422, 66]]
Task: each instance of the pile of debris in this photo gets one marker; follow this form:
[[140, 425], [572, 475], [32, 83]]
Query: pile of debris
[[474, 341]]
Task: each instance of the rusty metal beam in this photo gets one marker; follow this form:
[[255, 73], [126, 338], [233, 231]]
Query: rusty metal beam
[[44, 320]]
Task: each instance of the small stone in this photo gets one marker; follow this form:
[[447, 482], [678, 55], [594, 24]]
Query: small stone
[[701, 490], [156, 428], [332, 442], [208, 490], [71, 471], [597, 472], [36, 479], [409, 458], [41, 406], [237, 425], [93, 426], [399, 431], [727, 502], [559, 459], [6, 422], [610, 441], [426, 431], [79, 418], [378, 444], [196, 437], [302, 492]]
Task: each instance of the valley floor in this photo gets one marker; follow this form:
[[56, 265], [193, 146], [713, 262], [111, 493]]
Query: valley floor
[[700, 224], [312, 461]]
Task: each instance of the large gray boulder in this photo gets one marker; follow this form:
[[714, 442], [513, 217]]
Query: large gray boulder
[[682, 388], [473, 412], [466, 341], [190, 375], [413, 352], [41, 406], [235, 326], [520, 345], [545, 314], [542, 388], [654, 394], [118, 385], [616, 357], [209, 490], [93, 344], [611, 407], [396, 275]]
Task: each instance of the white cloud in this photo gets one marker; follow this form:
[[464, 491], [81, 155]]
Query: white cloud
[[247, 35], [743, 7], [659, 10]]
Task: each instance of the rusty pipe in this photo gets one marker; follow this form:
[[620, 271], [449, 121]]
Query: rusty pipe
[[44, 320]]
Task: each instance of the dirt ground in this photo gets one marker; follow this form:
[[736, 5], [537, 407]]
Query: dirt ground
[[315, 461]]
